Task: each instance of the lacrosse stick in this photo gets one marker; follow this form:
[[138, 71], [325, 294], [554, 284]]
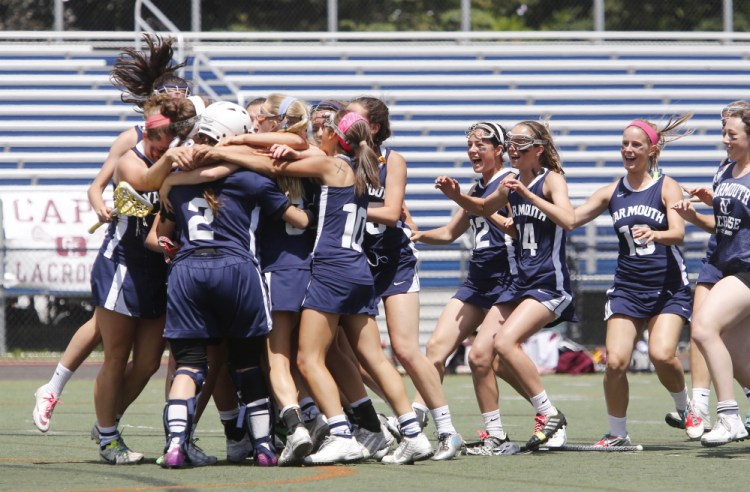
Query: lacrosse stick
[[127, 202]]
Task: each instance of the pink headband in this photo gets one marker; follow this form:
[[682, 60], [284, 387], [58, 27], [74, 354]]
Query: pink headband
[[344, 124], [650, 132], [156, 120]]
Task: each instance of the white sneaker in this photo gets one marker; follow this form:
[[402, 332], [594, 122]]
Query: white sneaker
[[298, 445], [411, 450], [390, 426], [116, 452], [45, 404], [95, 433], [449, 445], [559, 438], [238, 451], [336, 449], [318, 429], [728, 428], [696, 422], [372, 442]]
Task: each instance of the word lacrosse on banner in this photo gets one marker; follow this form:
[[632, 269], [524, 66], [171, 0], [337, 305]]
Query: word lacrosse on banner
[[47, 246]]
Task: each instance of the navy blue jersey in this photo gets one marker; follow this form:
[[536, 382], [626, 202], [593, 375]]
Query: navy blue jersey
[[283, 246], [125, 237], [338, 250], [494, 252], [718, 176], [732, 214], [379, 237], [241, 197], [540, 245], [653, 266]]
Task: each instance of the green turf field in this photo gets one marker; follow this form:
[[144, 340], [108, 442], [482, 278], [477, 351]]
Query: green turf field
[[66, 459]]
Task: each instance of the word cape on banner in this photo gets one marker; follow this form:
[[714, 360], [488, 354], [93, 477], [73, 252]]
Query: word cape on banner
[[47, 244]]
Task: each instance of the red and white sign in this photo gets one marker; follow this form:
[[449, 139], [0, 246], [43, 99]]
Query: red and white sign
[[48, 246]]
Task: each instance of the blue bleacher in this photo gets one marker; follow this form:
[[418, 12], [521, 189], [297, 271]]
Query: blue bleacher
[[59, 113]]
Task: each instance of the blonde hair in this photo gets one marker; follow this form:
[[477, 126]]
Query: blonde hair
[[550, 158], [297, 118], [668, 133]]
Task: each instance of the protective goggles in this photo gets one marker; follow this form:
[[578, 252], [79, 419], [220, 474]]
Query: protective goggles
[[523, 142], [173, 90], [345, 143], [264, 116], [490, 131]]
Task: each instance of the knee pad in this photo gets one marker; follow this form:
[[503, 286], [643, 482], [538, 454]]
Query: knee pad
[[198, 376]]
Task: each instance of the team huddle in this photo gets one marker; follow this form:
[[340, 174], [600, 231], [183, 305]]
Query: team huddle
[[279, 228]]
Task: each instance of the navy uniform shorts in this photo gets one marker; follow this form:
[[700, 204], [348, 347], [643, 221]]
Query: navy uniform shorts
[[287, 288], [643, 305], [394, 273], [485, 292], [219, 296], [340, 297], [135, 290], [709, 274]]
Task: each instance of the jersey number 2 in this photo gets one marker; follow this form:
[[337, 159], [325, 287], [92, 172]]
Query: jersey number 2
[[201, 218]]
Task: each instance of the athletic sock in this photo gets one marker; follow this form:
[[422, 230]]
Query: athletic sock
[[177, 420], [259, 418], [365, 415], [443, 421], [728, 407], [543, 405], [409, 424], [680, 399], [310, 410], [701, 398], [60, 378], [617, 426], [339, 426], [107, 435], [493, 425]]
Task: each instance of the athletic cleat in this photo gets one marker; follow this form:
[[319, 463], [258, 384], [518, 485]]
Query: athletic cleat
[[675, 419], [391, 425], [116, 452], [318, 429], [610, 441], [449, 445], [559, 438], [728, 428], [544, 428], [372, 442], [298, 445], [45, 404], [174, 458], [95, 433], [238, 451], [264, 456], [195, 456], [493, 446], [696, 423], [423, 418], [336, 449], [747, 422], [409, 451]]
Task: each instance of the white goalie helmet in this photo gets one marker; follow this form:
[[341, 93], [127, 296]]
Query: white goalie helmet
[[224, 119]]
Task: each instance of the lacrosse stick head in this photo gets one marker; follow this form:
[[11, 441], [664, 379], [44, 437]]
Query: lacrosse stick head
[[130, 202]]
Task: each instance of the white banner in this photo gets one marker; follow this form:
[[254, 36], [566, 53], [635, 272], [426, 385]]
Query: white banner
[[48, 246]]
